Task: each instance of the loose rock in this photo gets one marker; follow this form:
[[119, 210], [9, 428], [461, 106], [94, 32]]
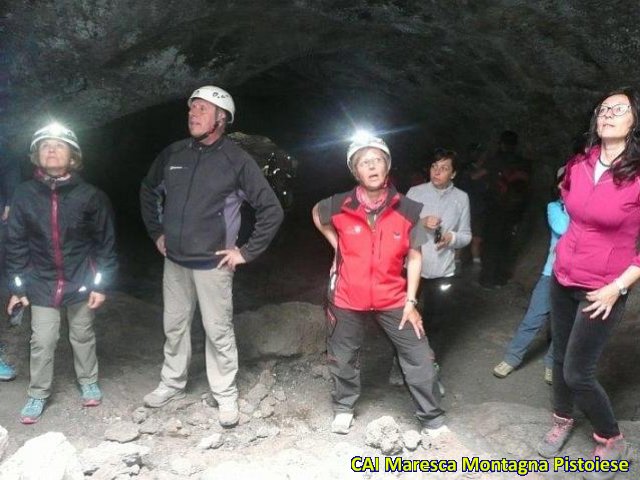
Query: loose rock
[[122, 432], [384, 434]]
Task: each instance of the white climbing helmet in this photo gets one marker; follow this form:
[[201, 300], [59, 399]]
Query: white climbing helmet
[[216, 95], [366, 140], [57, 132]]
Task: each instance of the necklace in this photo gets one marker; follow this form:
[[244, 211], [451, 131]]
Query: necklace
[[602, 163]]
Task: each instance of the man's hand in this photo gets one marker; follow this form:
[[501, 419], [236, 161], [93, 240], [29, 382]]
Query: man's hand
[[5, 213], [95, 300], [231, 259], [431, 222], [446, 240], [15, 300], [160, 245], [410, 314]]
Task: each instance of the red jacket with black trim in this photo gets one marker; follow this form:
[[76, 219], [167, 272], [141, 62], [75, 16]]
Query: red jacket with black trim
[[370, 260]]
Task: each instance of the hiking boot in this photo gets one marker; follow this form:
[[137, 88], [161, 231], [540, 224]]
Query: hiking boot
[[548, 375], [502, 370], [7, 372], [341, 423], [32, 410], [611, 449], [162, 395], [395, 375], [555, 438], [228, 414], [91, 395]]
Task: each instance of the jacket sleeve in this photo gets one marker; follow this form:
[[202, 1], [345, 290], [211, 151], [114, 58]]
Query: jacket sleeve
[[269, 214], [462, 235], [152, 196], [17, 248], [104, 239], [557, 217]]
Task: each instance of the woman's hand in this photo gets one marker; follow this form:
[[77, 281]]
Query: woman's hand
[[410, 314], [431, 222], [15, 300], [95, 300], [446, 240], [602, 301]]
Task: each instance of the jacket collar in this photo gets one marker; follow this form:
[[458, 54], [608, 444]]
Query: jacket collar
[[55, 183], [195, 145], [353, 203]]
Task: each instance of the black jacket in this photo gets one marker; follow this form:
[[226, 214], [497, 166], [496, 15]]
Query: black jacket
[[193, 193], [60, 242]]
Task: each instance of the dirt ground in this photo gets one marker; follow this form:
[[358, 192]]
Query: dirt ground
[[488, 417]]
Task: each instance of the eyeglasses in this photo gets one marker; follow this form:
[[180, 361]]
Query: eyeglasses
[[371, 162], [617, 110]]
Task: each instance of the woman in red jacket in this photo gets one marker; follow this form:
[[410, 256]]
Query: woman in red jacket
[[374, 231], [596, 263]]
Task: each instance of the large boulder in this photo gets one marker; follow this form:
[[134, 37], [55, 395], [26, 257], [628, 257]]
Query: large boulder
[[48, 456], [284, 330]]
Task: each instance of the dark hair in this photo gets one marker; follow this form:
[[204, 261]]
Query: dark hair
[[443, 153], [629, 165], [509, 138]]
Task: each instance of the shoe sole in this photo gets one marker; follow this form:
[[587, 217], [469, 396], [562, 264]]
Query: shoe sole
[[7, 379], [29, 420], [91, 403], [229, 424], [501, 375], [177, 396]]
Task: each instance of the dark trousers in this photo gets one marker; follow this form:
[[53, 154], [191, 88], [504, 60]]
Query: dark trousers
[[437, 306], [416, 361], [578, 342], [498, 247]]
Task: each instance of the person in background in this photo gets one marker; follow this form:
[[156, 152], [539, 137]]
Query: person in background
[[507, 200], [190, 202], [374, 230], [445, 217], [9, 179], [60, 256], [596, 264], [540, 303], [473, 181]]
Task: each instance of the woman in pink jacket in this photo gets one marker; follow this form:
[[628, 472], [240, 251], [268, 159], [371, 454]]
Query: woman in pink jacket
[[596, 263]]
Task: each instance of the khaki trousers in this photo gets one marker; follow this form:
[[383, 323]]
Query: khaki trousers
[[45, 332], [213, 291]]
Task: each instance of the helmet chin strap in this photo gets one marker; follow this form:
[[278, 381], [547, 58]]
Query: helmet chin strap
[[206, 134]]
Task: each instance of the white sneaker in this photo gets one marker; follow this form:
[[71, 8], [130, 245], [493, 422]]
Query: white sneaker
[[435, 432], [228, 414], [162, 395], [341, 423]]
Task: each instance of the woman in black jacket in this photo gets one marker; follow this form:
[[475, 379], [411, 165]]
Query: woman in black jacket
[[60, 254]]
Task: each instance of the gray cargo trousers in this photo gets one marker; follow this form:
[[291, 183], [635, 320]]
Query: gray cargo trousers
[[346, 334]]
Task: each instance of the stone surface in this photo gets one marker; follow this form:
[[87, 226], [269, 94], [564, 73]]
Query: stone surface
[[384, 434], [139, 415], [112, 453], [48, 456], [285, 330], [122, 432], [411, 439], [212, 441], [117, 50], [4, 440]]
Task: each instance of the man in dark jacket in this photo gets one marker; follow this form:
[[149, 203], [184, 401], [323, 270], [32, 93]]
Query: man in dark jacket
[[60, 254], [190, 202]]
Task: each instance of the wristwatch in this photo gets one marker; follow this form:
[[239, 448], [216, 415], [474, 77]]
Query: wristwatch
[[621, 288], [412, 301]]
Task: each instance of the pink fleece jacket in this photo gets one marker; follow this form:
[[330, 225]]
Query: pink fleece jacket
[[600, 242]]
